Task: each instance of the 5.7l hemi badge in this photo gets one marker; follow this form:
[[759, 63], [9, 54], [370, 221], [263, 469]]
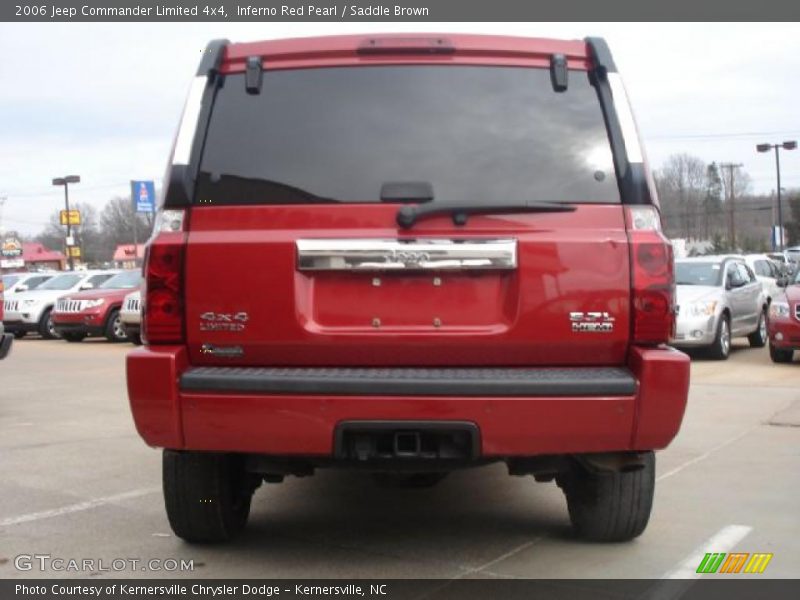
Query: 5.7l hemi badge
[[214, 321], [592, 322]]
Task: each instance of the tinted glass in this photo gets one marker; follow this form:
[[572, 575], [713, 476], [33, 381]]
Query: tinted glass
[[124, 280], [96, 280], [61, 282], [34, 282], [762, 268], [697, 273], [478, 135], [9, 280], [745, 273]]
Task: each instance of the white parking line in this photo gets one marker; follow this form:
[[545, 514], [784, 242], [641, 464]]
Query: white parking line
[[80, 506], [704, 455], [722, 541]]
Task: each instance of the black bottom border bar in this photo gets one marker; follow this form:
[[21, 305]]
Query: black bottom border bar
[[707, 588]]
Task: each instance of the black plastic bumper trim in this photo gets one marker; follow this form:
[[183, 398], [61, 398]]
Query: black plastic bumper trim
[[528, 382]]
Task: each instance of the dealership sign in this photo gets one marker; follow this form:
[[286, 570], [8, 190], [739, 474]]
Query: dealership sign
[[144, 196], [11, 248]]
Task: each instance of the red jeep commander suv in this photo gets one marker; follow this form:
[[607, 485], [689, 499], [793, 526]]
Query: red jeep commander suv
[[408, 254]]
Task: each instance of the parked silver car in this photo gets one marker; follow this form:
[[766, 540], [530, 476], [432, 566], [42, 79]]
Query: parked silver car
[[719, 298]]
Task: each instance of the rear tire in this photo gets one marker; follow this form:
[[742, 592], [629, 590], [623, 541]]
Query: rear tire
[[18, 335], [758, 339], [46, 328], [135, 338], [115, 330], [779, 355], [73, 337], [610, 506], [721, 348], [207, 495]]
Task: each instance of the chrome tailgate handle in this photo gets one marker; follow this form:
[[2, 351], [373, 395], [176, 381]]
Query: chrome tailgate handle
[[388, 254]]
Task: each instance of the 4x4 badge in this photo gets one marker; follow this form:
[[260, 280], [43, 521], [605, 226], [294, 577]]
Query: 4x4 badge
[[597, 322], [214, 321]]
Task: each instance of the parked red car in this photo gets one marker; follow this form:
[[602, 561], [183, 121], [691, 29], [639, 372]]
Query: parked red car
[[783, 322], [408, 255], [95, 312]]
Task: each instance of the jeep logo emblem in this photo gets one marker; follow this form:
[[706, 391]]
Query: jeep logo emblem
[[408, 257]]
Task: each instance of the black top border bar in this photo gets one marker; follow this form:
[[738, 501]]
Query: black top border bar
[[397, 10]]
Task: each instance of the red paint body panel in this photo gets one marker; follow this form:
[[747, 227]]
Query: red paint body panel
[[663, 375], [567, 262], [304, 425], [152, 376]]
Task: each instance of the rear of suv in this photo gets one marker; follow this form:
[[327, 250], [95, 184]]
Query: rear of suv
[[408, 255]]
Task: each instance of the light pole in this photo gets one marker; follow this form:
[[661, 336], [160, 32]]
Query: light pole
[[65, 181], [790, 145]]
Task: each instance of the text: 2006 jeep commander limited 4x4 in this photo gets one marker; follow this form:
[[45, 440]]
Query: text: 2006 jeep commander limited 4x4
[[408, 255]]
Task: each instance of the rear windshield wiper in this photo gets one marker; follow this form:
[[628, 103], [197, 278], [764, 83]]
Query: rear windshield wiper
[[408, 215]]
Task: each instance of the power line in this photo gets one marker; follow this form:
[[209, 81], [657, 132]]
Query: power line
[[716, 136]]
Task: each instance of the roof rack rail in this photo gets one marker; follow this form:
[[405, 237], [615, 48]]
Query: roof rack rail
[[212, 57], [600, 54]]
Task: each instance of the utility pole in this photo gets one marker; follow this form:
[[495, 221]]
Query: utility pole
[[731, 200], [65, 181], [790, 145]]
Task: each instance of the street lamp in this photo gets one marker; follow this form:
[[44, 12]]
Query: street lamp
[[790, 145], [65, 181]]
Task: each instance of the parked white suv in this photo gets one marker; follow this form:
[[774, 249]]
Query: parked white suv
[[768, 272], [30, 311]]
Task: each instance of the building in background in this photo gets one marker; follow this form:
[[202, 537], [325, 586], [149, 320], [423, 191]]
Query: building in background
[[30, 256], [128, 256]]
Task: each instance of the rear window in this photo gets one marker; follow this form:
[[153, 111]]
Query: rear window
[[478, 135]]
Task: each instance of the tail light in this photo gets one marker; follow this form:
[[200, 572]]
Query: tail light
[[653, 277], [162, 295]]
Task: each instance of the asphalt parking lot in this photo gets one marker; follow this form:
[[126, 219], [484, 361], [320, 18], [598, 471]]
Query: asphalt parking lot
[[77, 482]]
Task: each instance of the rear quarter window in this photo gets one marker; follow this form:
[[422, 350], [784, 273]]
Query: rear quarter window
[[478, 135]]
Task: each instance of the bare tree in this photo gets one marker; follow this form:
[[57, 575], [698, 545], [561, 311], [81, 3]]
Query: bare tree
[[682, 188], [117, 222], [86, 234]]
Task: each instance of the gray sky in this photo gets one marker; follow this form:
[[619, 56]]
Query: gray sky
[[103, 100]]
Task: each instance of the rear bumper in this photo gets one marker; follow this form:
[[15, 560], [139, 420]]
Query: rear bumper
[[5, 344], [198, 415]]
